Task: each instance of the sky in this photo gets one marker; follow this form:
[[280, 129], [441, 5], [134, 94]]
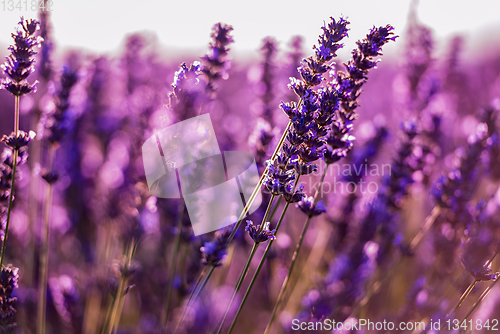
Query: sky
[[101, 25]]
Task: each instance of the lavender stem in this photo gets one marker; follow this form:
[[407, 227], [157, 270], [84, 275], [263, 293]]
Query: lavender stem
[[295, 255], [14, 165]]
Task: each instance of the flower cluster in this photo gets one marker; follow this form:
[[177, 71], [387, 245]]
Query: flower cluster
[[294, 196], [280, 174], [489, 116], [213, 252], [45, 63], [339, 141], [263, 133], [8, 283], [350, 82], [260, 139], [58, 122], [311, 116], [18, 143], [258, 233], [19, 64], [395, 187], [454, 190], [185, 98], [216, 63], [310, 208]]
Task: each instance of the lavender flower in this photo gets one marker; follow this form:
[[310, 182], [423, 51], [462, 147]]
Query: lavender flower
[[19, 64], [6, 170], [310, 208], [59, 122], [45, 64], [489, 116], [21, 140], [216, 62], [214, 252], [454, 190], [8, 283], [260, 139], [260, 234], [280, 175], [395, 187], [350, 83], [187, 93], [269, 50], [310, 117], [296, 196], [418, 53], [264, 132]]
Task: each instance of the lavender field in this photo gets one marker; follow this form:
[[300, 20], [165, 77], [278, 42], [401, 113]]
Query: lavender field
[[379, 183]]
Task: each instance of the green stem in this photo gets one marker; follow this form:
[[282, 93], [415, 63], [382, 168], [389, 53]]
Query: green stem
[[16, 115], [108, 315], [295, 255], [469, 289], [261, 263], [202, 286], [259, 184], [120, 292], [480, 299], [227, 264], [261, 180], [191, 296], [44, 254], [275, 208], [238, 285], [173, 264], [9, 209], [258, 270], [247, 265], [12, 184]]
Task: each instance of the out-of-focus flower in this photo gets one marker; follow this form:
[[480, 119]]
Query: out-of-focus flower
[[213, 252], [216, 63], [8, 283], [187, 93], [58, 122], [454, 190]]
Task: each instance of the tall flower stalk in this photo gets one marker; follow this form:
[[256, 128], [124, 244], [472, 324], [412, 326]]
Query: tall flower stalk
[[18, 66], [339, 141], [190, 94], [57, 123]]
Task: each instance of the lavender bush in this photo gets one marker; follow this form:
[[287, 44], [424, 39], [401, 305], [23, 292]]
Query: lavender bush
[[379, 184]]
